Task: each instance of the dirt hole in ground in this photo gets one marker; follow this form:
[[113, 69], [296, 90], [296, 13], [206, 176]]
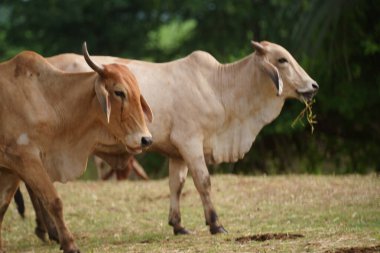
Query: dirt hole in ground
[[268, 236], [372, 249]]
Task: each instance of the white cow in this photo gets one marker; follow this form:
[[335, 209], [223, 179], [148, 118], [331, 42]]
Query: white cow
[[208, 112]]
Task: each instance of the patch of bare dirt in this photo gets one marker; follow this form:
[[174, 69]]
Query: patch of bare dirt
[[268, 236], [372, 249], [163, 196]]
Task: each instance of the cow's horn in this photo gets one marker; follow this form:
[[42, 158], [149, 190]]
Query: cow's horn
[[90, 63]]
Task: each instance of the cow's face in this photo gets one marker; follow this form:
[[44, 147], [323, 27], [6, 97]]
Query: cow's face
[[124, 107], [284, 70]]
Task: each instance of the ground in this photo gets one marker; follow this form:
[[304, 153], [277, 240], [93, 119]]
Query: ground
[[261, 213]]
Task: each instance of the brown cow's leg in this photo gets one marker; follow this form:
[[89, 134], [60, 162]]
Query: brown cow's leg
[[43, 220], [40, 229], [49, 224], [177, 177], [192, 151], [35, 176], [8, 186]]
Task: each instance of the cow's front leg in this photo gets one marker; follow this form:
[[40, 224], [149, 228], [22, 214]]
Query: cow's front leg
[[8, 186], [35, 176], [43, 220], [191, 150], [177, 178]]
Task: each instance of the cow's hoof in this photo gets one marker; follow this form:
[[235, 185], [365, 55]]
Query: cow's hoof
[[217, 230], [53, 237], [41, 234], [181, 231], [72, 251]]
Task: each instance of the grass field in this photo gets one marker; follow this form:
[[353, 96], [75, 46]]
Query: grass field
[[322, 213]]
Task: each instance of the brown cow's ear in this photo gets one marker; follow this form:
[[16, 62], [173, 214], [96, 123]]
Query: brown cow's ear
[[274, 75], [146, 109], [260, 49], [103, 98]]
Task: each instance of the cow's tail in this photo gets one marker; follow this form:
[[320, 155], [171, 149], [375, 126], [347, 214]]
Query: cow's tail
[[19, 199]]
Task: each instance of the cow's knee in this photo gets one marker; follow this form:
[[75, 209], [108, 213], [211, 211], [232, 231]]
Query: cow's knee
[[203, 185], [55, 206]]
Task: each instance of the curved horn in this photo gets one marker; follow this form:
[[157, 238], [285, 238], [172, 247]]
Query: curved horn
[[90, 63]]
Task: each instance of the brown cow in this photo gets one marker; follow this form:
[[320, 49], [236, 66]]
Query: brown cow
[[51, 121]]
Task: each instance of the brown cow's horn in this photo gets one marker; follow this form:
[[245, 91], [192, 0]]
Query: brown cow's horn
[[90, 63]]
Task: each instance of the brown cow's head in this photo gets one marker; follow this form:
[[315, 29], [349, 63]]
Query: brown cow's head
[[123, 105], [288, 76]]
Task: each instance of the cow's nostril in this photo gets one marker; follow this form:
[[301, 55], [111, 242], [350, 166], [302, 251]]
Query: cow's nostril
[[315, 86], [146, 141]]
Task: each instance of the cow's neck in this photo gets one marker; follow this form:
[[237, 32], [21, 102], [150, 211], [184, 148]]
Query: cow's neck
[[250, 102], [78, 127], [76, 108], [246, 91]]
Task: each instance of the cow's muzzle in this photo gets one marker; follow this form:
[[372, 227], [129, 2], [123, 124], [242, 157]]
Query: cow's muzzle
[[139, 145], [308, 95], [146, 141]]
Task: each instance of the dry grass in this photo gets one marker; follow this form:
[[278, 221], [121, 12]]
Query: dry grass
[[330, 212]]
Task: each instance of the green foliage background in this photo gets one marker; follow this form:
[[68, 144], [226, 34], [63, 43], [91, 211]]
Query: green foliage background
[[336, 41]]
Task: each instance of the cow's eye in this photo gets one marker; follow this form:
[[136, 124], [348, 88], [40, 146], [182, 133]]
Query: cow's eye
[[119, 94], [282, 60]]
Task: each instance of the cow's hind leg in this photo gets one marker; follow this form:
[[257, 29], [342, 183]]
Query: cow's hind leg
[[8, 186], [177, 176], [35, 176]]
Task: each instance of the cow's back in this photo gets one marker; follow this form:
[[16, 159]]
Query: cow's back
[[185, 98], [22, 95]]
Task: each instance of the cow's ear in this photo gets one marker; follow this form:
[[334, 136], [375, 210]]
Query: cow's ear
[[146, 109], [103, 98], [274, 75], [260, 49]]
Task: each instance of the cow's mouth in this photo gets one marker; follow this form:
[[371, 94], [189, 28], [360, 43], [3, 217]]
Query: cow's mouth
[[308, 96], [134, 150]]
